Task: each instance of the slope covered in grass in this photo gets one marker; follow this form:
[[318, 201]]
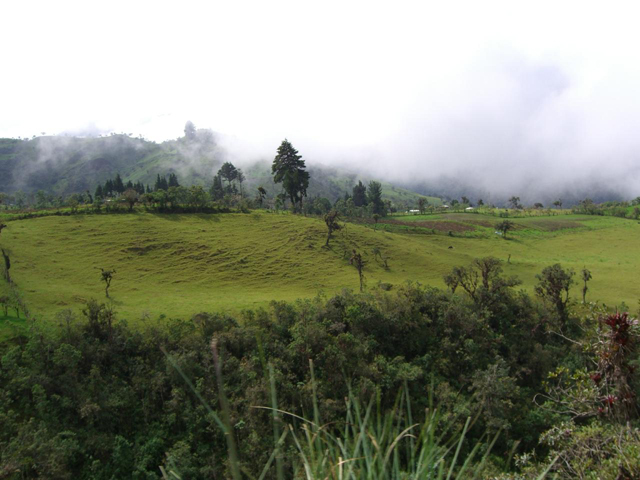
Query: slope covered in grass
[[179, 265]]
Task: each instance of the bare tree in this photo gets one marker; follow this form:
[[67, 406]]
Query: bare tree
[[7, 265], [331, 219], [107, 276], [586, 276], [357, 261]]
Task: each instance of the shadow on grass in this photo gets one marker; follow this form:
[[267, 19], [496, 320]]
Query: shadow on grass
[[177, 217]]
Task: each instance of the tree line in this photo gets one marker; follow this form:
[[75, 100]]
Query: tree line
[[227, 189]]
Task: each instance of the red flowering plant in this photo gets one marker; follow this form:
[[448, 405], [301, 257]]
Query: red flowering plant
[[615, 348], [607, 389]]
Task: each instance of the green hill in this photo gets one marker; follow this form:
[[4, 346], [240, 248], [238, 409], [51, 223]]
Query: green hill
[[179, 265], [65, 165]]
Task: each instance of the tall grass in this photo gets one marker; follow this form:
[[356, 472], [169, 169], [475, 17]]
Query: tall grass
[[368, 444]]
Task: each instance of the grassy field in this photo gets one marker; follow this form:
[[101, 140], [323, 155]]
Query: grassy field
[[178, 265]]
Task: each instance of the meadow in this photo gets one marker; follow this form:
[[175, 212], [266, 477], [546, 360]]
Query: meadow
[[178, 265]]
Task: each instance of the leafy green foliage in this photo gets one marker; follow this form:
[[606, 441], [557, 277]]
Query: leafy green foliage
[[504, 226], [107, 396], [553, 287]]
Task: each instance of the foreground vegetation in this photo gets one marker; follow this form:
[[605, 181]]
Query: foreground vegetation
[[432, 381]]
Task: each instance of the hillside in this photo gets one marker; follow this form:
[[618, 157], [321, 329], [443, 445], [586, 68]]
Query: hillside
[[65, 165], [178, 265]]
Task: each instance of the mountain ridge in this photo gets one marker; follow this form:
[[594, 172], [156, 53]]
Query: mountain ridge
[[65, 165]]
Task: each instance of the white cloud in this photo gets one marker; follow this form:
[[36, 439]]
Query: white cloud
[[506, 90]]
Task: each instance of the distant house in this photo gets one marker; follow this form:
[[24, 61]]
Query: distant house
[[414, 211], [445, 206], [469, 208]]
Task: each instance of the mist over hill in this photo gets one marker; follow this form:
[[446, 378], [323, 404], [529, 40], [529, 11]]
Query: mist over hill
[[69, 164], [571, 192]]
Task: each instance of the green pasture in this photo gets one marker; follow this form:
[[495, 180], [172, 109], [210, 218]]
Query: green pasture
[[179, 265]]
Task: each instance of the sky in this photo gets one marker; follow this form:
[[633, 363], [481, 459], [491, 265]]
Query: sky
[[504, 95]]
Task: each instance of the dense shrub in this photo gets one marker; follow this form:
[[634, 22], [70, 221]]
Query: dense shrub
[[101, 400]]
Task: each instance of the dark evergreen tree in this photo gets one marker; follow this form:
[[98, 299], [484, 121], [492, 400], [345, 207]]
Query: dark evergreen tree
[[217, 190], [99, 193], [129, 185], [161, 183], [375, 197], [359, 194], [118, 186], [108, 188], [173, 180], [289, 169]]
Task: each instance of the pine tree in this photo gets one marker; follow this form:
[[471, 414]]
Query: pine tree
[[118, 186], [108, 188], [99, 193], [217, 190], [173, 180], [375, 197], [359, 194], [161, 183], [289, 169]]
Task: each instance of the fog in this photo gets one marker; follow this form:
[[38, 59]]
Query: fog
[[487, 99]]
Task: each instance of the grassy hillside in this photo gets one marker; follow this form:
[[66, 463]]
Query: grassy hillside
[[179, 265]]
